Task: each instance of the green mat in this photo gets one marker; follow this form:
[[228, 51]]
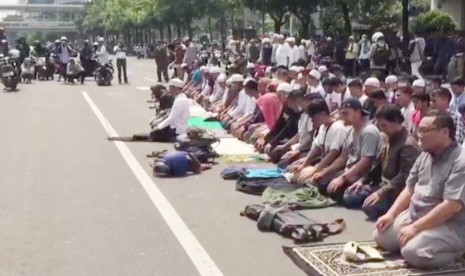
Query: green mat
[[199, 122]]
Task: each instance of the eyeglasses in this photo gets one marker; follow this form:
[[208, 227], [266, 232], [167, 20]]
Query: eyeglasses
[[424, 131]]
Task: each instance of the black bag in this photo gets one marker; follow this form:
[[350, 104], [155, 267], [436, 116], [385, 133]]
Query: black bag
[[292, 224], [381, 56], [256, 186], [195, 137]]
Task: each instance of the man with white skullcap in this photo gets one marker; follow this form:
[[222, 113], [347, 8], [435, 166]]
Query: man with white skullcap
[[391, 86], [283, 54]]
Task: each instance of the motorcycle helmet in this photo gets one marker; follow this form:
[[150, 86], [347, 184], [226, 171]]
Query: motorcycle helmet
[[3, 41], [95, 44], [14, 53], [64, 38], [101, 39], [57, 41]]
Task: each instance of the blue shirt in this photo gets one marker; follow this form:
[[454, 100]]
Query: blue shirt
[[197, 76], [178, 162]]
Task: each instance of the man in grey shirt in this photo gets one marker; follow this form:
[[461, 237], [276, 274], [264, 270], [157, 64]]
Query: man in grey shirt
[[359, 154], [427, 220]]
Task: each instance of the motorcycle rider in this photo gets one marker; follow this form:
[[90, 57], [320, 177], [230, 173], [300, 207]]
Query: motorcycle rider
[[103, 56], [4, 47], [64, 54], [120, 52], [86, 56]]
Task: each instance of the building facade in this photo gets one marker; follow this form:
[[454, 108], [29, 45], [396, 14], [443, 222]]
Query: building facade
[[456, 8]]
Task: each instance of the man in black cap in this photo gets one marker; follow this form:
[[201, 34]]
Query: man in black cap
[[160, 94], [359, 155]]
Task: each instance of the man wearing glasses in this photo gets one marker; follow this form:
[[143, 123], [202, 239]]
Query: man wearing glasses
[[427, 220]]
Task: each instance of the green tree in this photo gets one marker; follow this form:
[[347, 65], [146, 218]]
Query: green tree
[[303, 10], [279, 11]]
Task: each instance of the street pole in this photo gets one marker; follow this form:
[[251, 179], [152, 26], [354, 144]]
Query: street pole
[[263, 17]]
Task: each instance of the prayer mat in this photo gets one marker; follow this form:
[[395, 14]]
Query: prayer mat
[[328, 260], [233, 146], [243, 158], [200, 122]]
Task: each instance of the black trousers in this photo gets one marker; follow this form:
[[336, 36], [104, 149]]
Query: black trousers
[[166, 134], [121, 65], [165, 75]]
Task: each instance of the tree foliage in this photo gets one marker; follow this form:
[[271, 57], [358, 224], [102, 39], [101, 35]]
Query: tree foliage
[[434, 22]]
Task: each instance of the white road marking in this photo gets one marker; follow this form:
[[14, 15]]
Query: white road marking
[[143, 88], [197, 254], [152, 80]]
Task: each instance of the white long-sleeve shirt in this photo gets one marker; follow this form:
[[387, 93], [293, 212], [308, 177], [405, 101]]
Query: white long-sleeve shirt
[[103, 55], [283, 55], [179, 115], [240, 108]]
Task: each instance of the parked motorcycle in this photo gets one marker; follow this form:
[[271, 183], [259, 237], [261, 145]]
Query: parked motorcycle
[[9, 74], [104, 74]]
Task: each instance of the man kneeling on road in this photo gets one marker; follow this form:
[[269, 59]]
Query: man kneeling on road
[[176, 122], [427, 221], [362, 149], [326, 146]]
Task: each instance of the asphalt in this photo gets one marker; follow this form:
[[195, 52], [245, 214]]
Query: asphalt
[[71, 204]]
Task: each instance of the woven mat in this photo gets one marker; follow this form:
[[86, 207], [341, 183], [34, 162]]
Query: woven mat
[[327, 260]]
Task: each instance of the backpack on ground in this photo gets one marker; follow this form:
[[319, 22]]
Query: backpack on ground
[[292, 224], [256, 186], [195, 137], [381, 55]]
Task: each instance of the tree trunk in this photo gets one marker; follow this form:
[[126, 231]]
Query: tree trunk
[[178, 30], [169, 31], [190, 32], [161, 30], [210, 27], [346, 17], [405, 32], [277, 25]]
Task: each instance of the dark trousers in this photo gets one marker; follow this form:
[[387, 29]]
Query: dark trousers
[[79, 76], [166, 134], [165, 75], [350, 67], [364, 65], [121, 64], [63, 68]]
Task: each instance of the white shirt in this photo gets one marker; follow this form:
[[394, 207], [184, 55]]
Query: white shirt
[[295, 55], [302, 54], [250, 105], [319, 89], [225, 95], [217, 93], [179, 115], [305, 127], [119, 53], [408, 117], [283, 55], [363, 98], [364, 52], [239, 110], [295, 85], [103, 55], [335, 137]]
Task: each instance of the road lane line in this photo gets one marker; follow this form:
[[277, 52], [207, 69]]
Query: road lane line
[[197, 254], [152, 80]]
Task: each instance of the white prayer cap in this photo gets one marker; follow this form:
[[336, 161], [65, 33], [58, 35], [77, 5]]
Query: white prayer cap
[[280, 36], [266, 40], [391, 79], [204, 69], [290, 40], [268, 69], [315, 74], [419, 83], [300, 76], [322, 69], [221, 78], [214, 70], [236, 78], [301, 68], [372, 82], [294, 69], [176, 83], [250, 65], [284, 87], [184, 65], [247, 80]]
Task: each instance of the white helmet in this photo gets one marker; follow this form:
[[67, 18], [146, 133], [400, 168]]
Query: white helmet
[[64, 38], [14, 53], [100, 39]]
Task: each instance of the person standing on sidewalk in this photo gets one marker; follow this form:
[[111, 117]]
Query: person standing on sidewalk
[[121, 64], [417, 52]]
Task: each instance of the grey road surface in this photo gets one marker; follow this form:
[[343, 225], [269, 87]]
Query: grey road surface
[[71, 204]]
